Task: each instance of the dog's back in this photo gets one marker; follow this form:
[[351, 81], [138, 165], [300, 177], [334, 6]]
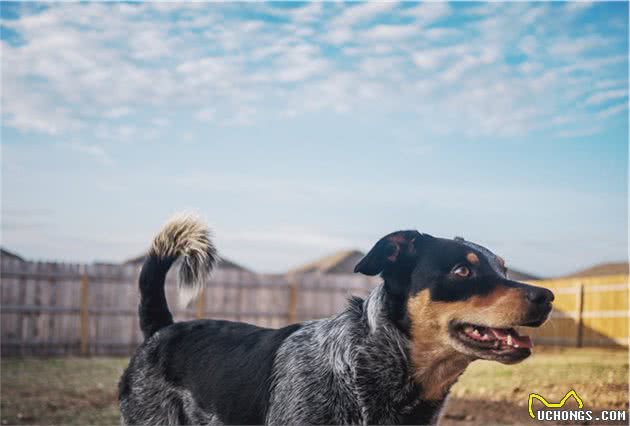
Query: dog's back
[[196, 372], [201, 372]]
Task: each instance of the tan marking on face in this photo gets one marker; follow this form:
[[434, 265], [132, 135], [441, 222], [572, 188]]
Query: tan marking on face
[[502, 307], [437, 364], [472, 258], [494, 297]]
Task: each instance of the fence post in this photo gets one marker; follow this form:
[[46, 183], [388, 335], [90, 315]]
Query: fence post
[[84, 313], [21, 318], [293, 299], [579, 320], [200, 304], [240, 296], [134, 334]]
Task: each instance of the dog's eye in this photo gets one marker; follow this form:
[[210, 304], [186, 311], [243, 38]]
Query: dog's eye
[[462, 271]]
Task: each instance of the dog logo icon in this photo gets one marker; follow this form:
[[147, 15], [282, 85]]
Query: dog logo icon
[[560, 404]]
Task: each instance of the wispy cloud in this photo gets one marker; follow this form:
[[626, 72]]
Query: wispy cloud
[[250, 68], [612, 110], [97, 152], [578, 133], [300, 62], [428, 12], [577, 6], [605, 96], [206, 114], [360, 12], [391, 32], [118, 112]]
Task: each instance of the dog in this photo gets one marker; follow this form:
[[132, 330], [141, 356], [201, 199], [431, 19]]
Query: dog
[[389, 359]]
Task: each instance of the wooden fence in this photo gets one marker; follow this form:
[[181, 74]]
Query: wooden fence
[[590, 311], [63, 309], [72, 309]]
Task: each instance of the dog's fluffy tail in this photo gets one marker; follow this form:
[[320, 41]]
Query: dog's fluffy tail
[[184, 236]]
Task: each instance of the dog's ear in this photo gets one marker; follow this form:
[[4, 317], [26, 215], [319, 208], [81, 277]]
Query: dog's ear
[[390, 250]]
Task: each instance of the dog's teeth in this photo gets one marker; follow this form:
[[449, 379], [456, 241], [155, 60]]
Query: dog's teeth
[[509, 339], [476, 332], [516, 345]]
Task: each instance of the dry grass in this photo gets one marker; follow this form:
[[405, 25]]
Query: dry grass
[[490, 393], [61, 391], [83, 391]]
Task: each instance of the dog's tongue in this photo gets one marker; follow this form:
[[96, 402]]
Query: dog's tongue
[[515, 338]]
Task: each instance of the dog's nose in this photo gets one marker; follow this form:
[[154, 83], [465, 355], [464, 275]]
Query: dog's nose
[[539, 295]]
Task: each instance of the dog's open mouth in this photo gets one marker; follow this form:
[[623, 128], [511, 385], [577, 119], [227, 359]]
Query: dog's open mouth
[[500, 344]]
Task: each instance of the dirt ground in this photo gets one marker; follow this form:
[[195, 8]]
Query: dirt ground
[[82, 391]]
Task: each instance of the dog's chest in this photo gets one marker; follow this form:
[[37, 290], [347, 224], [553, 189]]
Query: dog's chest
[[400, 404]]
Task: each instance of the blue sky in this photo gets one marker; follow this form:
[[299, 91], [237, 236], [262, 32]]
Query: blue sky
[[298, 129]]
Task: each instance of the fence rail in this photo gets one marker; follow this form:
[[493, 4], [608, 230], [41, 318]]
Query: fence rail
[[64, 309]]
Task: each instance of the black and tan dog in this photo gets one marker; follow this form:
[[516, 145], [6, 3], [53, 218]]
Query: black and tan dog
[[388, 359]]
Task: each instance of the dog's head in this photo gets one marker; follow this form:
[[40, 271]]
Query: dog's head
[[456, 294]]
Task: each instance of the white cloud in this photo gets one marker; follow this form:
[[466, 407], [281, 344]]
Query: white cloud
[[299, 63], [149, 44], [429, 11], [595, 64], [390, 32], [431, 58], [483, 9], [440, 33], [206, 114], [307, 13], [364, 11], [118, 112], [533, 14], [338, 35], [242, 116], [562, 119], [468, 62], [88, 66], [605, 96], [605, 84], [206, 69], [529, 45], [126, 132], [578, 133], [613, 110], [428, 59], [380, 66], [92, 150], [571, 47], [95, 70], [160, 121], [30, 110], [340, 28], [577, 6]]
